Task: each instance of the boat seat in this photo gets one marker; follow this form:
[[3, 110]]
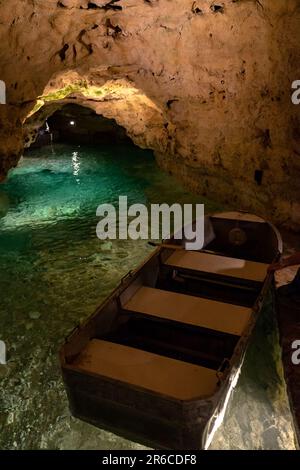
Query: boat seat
[[171, 377], [196, 311], [220, 265]]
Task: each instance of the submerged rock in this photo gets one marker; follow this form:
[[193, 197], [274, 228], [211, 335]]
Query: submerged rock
[[34, 315], [3, 370], [106, 246]]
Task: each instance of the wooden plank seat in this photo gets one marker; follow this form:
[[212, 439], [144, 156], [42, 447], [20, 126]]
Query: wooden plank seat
[[160, 374], [197, 311], [220, 265]]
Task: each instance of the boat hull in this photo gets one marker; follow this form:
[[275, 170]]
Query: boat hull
[[201, 324]]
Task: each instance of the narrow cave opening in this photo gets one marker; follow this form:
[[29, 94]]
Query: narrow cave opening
[[258, 177], [80, 125], [75, 160]]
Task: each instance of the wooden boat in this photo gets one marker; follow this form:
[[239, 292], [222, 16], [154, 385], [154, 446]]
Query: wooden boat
[[288, 319], [158, 360]]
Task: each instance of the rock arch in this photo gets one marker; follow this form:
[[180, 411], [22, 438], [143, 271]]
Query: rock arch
[[119, 99]]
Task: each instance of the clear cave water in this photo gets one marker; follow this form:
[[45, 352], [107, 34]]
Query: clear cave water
[[54, 272]]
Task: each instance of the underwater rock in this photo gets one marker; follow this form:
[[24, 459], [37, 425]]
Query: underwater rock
[[106, 246], [34, 315], [47, 171]]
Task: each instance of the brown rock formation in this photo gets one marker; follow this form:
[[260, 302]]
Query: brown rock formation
[[206, 84]]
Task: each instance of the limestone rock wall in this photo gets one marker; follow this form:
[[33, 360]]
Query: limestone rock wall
[[216, 75]]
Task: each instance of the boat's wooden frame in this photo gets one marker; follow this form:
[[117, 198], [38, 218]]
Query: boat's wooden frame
[[164, 417]]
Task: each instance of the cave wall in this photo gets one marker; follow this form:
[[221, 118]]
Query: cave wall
[[218, 75]]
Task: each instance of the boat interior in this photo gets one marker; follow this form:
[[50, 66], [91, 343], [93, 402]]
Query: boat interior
[[172, 326]]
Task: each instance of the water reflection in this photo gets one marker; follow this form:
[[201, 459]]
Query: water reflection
[[76, 165]]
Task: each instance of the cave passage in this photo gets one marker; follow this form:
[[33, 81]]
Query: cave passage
[[78, 124]]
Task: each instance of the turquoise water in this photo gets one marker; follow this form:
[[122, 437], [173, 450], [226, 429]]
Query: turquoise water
[[54, 272]]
